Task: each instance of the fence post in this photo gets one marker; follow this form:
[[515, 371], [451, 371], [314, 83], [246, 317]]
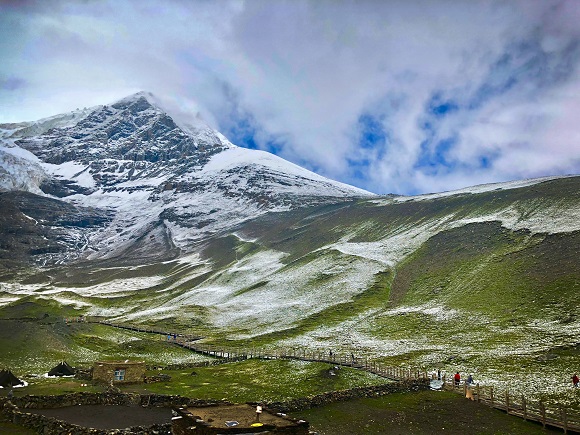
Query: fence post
[[464, 388], [564, 419], [543, 412], [491, 396], [507, 401], [524, 407], [478, 392]]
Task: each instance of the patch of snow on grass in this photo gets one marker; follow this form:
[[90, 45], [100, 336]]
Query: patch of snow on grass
[[537, 219], [125, 286], [439, 312], [108, 312], [295, 293], [395, 247]]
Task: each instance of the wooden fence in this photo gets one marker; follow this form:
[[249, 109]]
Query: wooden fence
[[559, 417]]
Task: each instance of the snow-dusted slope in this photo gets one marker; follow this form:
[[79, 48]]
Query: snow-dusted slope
[[162, 175], [20, 170]]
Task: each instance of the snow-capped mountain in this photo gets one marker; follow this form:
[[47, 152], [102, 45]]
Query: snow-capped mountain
[[163, 180]]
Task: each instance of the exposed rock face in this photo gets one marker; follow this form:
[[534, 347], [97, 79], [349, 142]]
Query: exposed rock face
[[130, 130], [36, 228]]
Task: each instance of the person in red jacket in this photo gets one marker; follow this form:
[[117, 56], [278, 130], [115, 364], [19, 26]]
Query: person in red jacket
[[575, 380], [457, 379]]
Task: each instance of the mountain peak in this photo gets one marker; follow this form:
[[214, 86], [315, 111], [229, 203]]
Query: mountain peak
[[186, 119], [138, 102]]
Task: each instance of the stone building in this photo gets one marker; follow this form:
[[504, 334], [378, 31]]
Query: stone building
[[119, 372]]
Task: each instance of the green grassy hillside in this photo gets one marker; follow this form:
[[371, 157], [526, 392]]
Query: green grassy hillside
[[486, 283]]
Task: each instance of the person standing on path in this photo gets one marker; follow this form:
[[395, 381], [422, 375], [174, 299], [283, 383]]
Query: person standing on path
[[575, 380], [457, 379]]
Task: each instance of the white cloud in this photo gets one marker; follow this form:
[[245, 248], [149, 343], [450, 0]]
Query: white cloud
[[305, 71]]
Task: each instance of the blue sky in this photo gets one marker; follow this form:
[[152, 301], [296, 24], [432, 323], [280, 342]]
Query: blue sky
[[400, 97]]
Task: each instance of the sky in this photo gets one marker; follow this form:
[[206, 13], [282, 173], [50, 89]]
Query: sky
[[402, 97]]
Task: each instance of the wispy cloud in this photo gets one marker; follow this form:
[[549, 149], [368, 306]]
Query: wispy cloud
[[399, 96]]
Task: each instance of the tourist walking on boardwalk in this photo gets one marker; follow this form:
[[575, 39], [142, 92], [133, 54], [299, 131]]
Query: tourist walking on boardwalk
[[575, 380], [469, 380], [457, 379]]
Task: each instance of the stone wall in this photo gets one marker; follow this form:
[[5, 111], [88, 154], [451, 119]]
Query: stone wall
[[354, 393], [191, 365], [48, 425]]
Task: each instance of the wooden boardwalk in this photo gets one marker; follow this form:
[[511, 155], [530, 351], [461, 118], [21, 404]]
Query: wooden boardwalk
[[558, 417]]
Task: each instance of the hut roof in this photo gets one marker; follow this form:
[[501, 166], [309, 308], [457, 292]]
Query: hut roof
[[62, 369], [7, 379]]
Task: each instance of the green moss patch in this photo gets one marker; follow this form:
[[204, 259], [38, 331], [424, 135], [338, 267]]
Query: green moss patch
[[260, 380]]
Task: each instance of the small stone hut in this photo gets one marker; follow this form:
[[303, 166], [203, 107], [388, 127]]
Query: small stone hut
[[119, 372]]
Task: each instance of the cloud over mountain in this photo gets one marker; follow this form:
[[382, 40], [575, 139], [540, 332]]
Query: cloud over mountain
[[404, 97]]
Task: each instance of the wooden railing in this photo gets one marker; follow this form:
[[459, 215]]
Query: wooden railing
[[337, 359], [171, 336]]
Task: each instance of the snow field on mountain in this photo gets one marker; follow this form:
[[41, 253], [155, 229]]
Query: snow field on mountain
[[20, 170], [242, 157], [77, 172], [283, 294]]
